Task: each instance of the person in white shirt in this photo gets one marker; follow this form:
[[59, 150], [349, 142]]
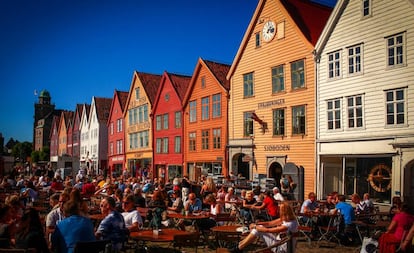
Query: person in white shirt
[[276, 194], [132, 218]]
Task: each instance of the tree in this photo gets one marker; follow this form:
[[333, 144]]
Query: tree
[[22, 150]]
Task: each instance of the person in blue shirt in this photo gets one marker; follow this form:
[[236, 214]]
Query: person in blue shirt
[[74, 228], [193, 204], [348, 214], [112, 227]]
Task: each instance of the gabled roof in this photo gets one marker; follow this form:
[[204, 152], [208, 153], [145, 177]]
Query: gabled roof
[[218, 71], [67, 116], [309, 17], [330, 25], [180, 84], [121, 97], [150, 83], [102, 107]]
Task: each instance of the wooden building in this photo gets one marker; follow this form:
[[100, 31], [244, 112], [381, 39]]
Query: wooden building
[[272, 94]]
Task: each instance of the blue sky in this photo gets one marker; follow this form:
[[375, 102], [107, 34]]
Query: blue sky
[[77, 49]]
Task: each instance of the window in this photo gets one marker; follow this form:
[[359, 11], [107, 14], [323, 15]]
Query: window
[[216, 138], [143, 113], [139, 140], [298, 119], [177, 119], [366, 8], [395, 53], [278, 79], [334, 114], [334, 64], [248, 85], [193, 111], [111, 148], [111, 128], [192, 141], [177, 144], [119, 125], [137, 93], [158, 120], [205, 108], [119, 144], [165, 145], [279, 122], [248, 124], [204, 139], [216, 105], [158, 145], [165, 120], [298, 74], [257, 39], [355, 118], [203, 82], [354, 59], [395, 104]]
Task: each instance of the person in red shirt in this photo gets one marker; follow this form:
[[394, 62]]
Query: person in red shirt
[[88, 188], [270, 205]]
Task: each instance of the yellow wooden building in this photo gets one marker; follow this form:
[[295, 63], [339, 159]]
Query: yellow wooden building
[[272, 94]]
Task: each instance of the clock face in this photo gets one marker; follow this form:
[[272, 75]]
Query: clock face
[[269, 31]]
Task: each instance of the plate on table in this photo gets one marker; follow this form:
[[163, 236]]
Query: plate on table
[[242, 230]]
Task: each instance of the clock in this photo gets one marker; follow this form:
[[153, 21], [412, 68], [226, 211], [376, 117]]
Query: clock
[[269, 31]]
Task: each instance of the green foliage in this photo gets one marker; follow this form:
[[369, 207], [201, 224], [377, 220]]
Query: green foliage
[[22, 150]]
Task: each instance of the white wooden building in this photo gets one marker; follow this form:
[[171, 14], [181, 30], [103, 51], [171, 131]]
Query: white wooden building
[[365, 100]]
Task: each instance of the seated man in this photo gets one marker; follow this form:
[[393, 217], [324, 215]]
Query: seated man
[[348, 215], [193, 204], [112, 227], [132, 218]]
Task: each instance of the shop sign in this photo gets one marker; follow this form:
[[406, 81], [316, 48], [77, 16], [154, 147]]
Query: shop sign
[[271, 103], [285, 147]]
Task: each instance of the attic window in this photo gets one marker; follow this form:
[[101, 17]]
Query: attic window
[[203, 82], [366, 8], [257, 39]]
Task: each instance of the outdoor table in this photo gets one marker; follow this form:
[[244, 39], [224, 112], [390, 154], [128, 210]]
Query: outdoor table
[[163, 235], [227, 234], [192, 217]]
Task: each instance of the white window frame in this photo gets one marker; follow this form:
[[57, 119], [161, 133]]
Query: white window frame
[[192, 111], [356, 58], [334, 108], [399, 58], [334, 65], [355, 107], [396, 104]]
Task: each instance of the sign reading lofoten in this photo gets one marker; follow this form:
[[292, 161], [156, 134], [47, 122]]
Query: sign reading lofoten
[[285, 147]]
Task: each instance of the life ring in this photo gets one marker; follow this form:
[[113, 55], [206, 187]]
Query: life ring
[[380, 178]]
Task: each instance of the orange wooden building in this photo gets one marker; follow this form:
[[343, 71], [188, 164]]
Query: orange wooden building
[[205, 120]]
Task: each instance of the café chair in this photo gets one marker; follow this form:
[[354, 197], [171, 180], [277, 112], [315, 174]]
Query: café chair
[[192, 241], [99, 246], [332, 230]]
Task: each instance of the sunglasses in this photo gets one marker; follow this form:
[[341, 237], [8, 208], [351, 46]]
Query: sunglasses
[[125, 202]]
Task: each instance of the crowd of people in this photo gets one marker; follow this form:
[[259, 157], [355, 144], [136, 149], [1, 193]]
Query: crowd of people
[[265, 211]]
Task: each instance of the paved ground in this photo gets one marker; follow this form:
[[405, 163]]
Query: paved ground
[[302, 247]]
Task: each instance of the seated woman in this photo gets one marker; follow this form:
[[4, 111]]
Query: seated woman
[[400, 224], [268, 231]]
